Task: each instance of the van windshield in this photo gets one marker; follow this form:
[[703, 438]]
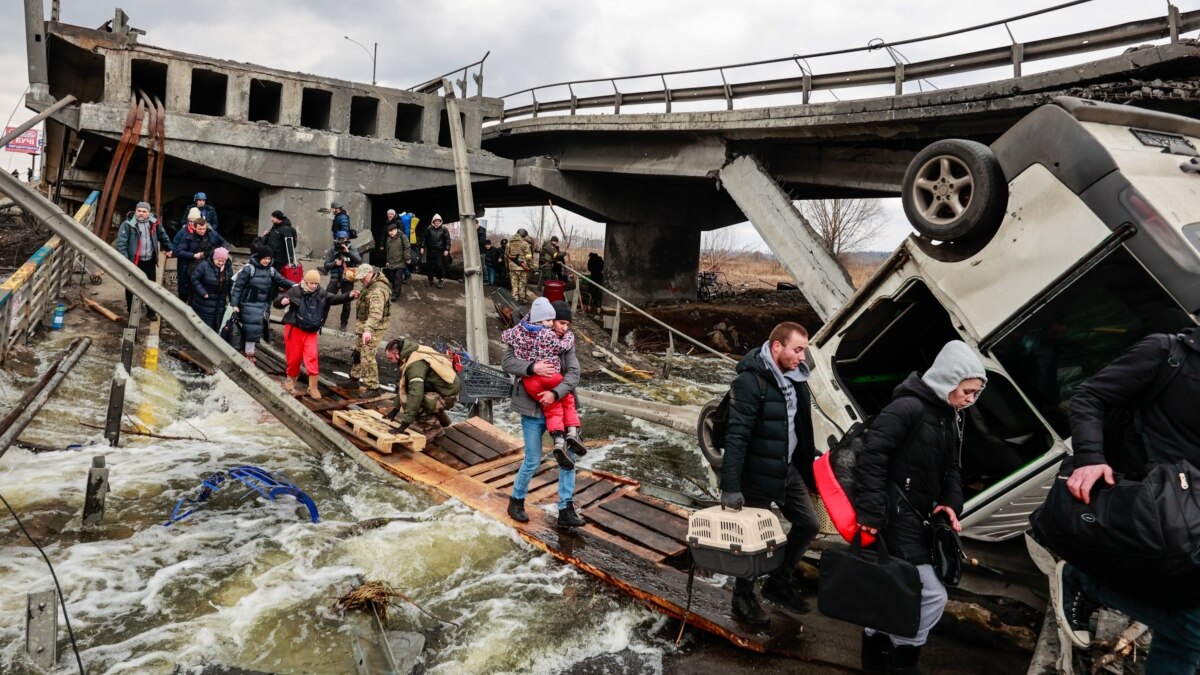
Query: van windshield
[[1089, 324]]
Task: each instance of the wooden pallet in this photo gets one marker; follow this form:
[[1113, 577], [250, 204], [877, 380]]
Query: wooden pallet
[[378, 432]]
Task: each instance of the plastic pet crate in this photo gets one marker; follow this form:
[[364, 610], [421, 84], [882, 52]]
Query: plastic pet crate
[[746, 543]]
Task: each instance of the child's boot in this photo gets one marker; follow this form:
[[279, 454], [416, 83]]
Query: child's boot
[[575, 443], [560, 451]]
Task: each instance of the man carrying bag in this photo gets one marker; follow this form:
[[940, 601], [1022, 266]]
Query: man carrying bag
[[1129, 539]]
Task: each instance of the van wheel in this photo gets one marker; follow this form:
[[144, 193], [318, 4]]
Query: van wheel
[[954, 190], [704, 433]]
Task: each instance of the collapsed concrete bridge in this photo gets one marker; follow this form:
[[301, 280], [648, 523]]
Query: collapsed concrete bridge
[[258, 139]]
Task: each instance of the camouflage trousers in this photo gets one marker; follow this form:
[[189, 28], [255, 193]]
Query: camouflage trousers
[[366, 367], [520, 283], [431, 418]]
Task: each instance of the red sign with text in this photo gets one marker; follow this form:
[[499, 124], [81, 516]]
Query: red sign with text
[[29, 142]]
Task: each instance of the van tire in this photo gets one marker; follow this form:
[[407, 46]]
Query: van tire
[[712, 455], [955, 191]]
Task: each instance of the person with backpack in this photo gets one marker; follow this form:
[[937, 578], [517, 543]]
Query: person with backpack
[[277, 240], [1160, 378], [769, 452], [909, 471], [306, 304], [253, 289]]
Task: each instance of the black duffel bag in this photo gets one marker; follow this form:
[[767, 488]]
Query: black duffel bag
[[870, 588], [1141, 538]]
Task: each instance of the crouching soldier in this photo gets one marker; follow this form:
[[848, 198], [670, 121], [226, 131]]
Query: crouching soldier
[[428, 384]]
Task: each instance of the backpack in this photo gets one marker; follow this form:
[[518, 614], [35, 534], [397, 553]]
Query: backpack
[[720, 418]]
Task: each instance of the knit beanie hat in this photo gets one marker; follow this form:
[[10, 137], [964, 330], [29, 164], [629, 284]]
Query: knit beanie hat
[[278, 214], [541, 310], [220, 253], [194, 214], [312, 277], [955, 363], [143, 205], [562, 311]]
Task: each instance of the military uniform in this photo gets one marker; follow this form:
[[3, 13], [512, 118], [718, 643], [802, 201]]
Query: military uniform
[[374, 310], [428, 384], [549, 259], [519, 251]]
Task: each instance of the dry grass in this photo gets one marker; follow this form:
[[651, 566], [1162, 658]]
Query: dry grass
[[755, 270]]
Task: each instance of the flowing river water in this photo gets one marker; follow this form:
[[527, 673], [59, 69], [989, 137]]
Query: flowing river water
[[249, 584]]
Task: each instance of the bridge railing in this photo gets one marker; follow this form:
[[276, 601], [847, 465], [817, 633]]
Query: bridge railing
[[28, 296], [472, 70], [806, 81]]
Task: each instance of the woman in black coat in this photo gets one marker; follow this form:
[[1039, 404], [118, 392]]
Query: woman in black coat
[[253, 290], [211, 286], [909, 470]]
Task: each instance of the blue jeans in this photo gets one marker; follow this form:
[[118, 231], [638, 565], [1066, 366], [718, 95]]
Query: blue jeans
[[1175, 647], [533, 428], [489, 275]]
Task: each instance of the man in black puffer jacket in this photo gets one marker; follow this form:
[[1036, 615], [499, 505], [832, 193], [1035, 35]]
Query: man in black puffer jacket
[[769, 453], [1169, 433], [909, 464]]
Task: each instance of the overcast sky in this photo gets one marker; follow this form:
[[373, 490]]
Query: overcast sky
[[534, 42]]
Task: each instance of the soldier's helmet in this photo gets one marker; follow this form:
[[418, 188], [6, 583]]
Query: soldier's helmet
[[522, 232]]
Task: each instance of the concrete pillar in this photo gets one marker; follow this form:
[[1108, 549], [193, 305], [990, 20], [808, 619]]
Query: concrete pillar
[[339, 111], [473, 125], [116, 76], [821, 279], [289, 104], [35, 49], [237, 96], [386, 120], [650, 263], [179, 86], [431, 123], [309, 212]]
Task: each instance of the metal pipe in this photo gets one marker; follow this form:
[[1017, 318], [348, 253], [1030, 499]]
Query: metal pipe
[[29, 123], [701, 345], [31, 403]]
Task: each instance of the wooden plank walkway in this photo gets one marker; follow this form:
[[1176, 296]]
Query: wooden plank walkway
[[632, 541]]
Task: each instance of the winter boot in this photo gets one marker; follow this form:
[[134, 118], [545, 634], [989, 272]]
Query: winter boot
[[747, 609], [443, 418], [313, 391], [781, 592], [575, 443], [250, 357], [289, 386], [904, 660], [876, 653], [516, 510], [560, 451], [568, 518]]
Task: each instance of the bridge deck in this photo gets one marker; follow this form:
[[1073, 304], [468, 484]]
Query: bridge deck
[[632, 541]]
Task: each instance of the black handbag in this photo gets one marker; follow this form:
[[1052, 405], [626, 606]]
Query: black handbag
[[947, 551], [232, 332], [870, 588]]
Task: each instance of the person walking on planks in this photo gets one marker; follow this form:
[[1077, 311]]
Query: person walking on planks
[[428, 385], [253, 289], [306, 304], [140, 239], [193, 244], [374, 310], [769, 452], [533, 421], [435, 248], [212, 284]]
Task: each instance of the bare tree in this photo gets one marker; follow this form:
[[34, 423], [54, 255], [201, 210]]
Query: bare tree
[[844, 225], [719, 248]]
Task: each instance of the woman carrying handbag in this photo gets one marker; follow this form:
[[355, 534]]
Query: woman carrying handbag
[[908, 472]]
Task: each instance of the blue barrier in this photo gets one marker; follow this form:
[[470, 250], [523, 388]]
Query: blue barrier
[[260, 481]]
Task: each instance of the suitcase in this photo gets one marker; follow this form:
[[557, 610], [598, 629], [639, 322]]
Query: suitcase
[[294, 270]]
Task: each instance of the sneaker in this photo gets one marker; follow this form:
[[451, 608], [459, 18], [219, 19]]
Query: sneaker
[[1072, 607], [568, 518], [746, 608], [784, 594], [575, 443]]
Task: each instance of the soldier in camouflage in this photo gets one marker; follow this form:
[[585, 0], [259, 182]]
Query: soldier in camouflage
[[428, 386], [520, 258], [374, 310]]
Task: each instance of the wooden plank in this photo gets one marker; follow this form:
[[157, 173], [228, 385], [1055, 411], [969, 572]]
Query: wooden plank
[[507, 481], [468, 456], [662, 505], [667, 524], [489, 436], [581, 483], [445, 458], [482, 449], [501, 472], [639, 551], [490, 465], [544, 478], [635, 532], [326, 405], [600, 489]]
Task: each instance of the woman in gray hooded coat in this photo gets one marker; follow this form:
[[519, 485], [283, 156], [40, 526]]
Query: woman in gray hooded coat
[[912, 456]]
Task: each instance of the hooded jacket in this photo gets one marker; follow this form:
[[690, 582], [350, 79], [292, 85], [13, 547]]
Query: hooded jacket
[[209, 280], [187, 244], [129, 242], [207, 212], [277, 238], [756, 442], [419, 376], [522, 402], [253, 288], [308, 309], [914, 446]]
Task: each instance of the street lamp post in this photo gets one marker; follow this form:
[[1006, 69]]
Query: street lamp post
[[370, 55]]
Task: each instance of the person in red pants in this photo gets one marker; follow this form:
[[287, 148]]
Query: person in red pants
[[534, 339], [306, 304]]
